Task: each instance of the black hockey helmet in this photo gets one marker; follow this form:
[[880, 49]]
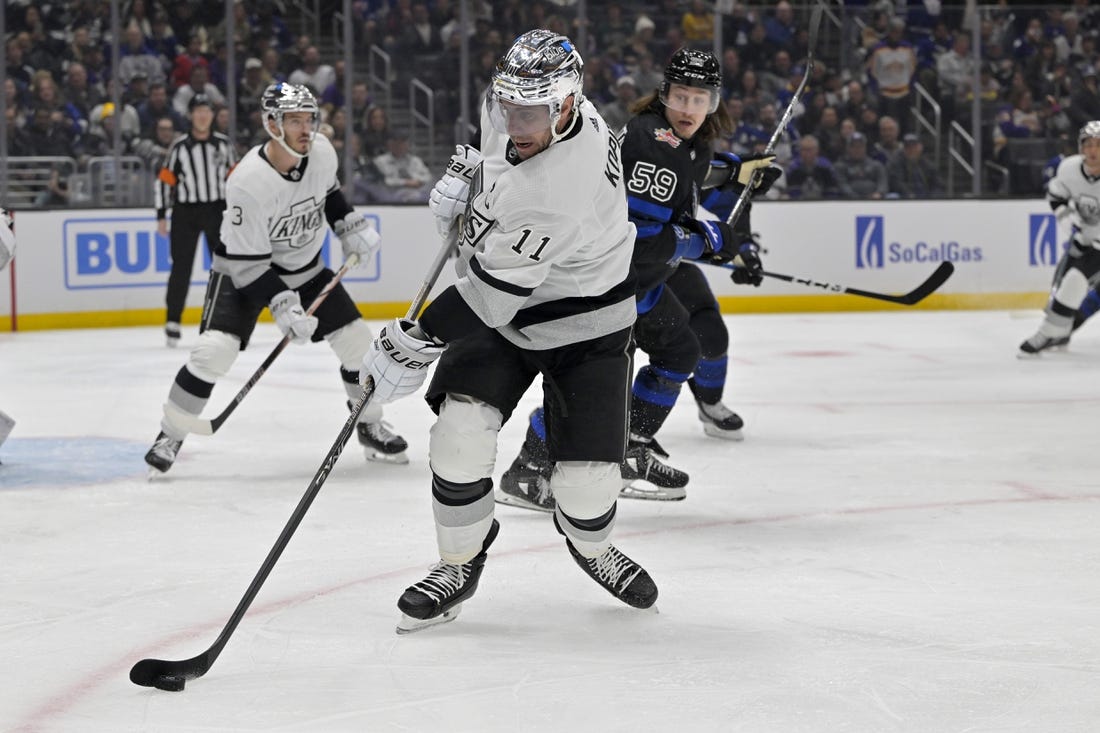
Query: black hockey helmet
[[692, 68]]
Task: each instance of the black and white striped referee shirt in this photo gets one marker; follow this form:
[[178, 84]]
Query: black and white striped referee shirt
[[194, 172]]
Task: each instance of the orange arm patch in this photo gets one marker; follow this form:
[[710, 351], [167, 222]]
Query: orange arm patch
[[167, 176]]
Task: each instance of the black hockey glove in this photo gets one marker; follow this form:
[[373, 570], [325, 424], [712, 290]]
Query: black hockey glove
[[719, 240], [747, 267]]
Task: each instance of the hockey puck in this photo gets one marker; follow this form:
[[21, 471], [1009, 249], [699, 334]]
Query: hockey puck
[[171, 683]]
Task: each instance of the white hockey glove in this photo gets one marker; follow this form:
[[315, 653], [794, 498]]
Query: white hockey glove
[[7, 239], [290, 317], [398, 361], [448, 199], [358, 236]]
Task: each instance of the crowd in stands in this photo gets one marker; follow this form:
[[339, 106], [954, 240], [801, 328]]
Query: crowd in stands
[[853, 134]]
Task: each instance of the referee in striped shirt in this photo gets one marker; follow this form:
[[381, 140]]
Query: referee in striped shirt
[[192, 184]]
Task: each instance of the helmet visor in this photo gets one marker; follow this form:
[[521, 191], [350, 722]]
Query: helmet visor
[[683, 98], [518, 119]]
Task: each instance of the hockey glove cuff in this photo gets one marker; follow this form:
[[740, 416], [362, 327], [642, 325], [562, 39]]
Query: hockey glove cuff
[[291, 318], [358, 236], [398, 360]]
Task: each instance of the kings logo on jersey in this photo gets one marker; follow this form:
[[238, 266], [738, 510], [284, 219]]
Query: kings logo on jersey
[[1042, 248], [301, 225]]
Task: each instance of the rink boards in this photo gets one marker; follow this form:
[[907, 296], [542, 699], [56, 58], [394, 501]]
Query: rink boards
[[108, 267]]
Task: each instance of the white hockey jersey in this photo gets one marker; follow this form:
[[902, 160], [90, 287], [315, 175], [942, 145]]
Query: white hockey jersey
[[1072, 187], [276, 221], [547, 241]]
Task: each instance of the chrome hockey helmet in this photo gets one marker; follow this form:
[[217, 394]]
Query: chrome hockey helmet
[[1090, 130], [279, 99], [542, 68], [691, 68]]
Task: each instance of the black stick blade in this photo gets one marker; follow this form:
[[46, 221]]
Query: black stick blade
[[932, 284], [167, 675]]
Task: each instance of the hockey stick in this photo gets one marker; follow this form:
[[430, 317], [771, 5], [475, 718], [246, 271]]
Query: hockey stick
[[743, 199], [935, 280], [173, 675], [203, 426]]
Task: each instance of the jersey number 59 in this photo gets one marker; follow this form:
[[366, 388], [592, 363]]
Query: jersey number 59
[[646, 178]]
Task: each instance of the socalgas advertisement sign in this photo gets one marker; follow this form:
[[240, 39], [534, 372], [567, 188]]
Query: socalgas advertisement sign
[[110, 267]]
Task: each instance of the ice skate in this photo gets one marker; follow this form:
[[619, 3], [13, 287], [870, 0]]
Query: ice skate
[[720, 421], [162, 455], [172, 334], [381, 444], [1041, 342], [618, 574], [645, 476], [438, 598], [526, 484]]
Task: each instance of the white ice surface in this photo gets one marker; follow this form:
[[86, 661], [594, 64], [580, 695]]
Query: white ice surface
[[907, 540]]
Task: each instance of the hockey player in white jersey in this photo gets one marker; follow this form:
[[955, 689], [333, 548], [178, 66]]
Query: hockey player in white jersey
[[545, 287], [278, 200], [1074, 192], [7, 252]]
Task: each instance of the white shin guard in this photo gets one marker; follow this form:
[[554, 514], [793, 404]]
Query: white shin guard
[[350, 344], [586, 490]]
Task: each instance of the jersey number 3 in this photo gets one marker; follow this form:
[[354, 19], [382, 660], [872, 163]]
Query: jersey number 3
[[646, 178]]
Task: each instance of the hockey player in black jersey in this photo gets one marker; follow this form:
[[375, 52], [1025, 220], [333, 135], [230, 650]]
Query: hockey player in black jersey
[[667, 155]]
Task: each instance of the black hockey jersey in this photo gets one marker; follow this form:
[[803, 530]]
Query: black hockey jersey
[[663, 175]]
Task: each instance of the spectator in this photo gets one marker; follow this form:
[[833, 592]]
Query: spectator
[[163, 40], [333, 96], [810, 176], [153, 149], [156, 106], [77, 91], [647, 77], [780, 29], [697, 25], [614, 29], [187, 60], [642, 43], [251, 88], [127, 121], [312, 73], [270, 73], [409, 181], [199, 84], [828, 135], [420, 37], [137, 91], [889, 144], [910, 175], [891, 66], [617, 112], [44, 134], [138, 58], [778, 75], [860, 177], [855, 98], [44, 93], [784, 146], [1067, 43], [955, 70], [360, 103], [17, 68], [376, 132], [1085, 102]]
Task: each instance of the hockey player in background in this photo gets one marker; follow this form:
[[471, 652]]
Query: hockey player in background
[[545, 287], [278, 200], [667, 156], [7, 251], [1074, 192]]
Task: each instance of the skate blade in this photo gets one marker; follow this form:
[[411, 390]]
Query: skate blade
[[716, 432], [409, 625], [652, 493], [153, 474], [509, 500], [399, 459]]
